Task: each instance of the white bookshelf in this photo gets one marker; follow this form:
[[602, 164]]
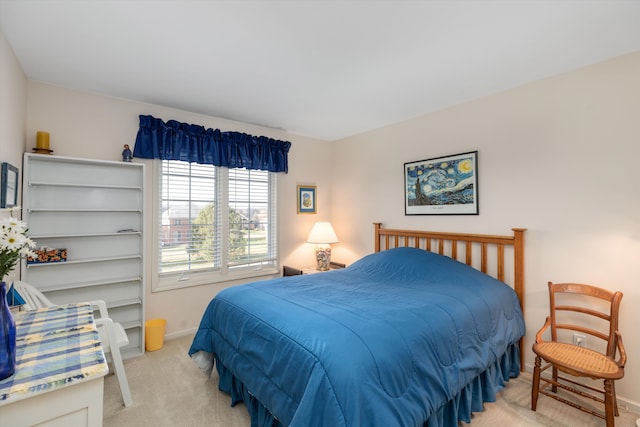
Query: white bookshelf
[[94, 209]]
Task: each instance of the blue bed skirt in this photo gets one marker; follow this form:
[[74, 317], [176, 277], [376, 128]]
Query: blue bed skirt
[[470, 399]]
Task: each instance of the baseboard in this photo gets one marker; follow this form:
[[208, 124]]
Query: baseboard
[[180, 334]]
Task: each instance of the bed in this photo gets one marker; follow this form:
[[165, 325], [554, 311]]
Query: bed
[[416, 333]]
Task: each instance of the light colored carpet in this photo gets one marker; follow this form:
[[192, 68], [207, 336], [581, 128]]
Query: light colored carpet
[[169, 390]]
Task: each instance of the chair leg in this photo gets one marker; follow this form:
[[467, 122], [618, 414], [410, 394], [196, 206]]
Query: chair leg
[[609, 403], [116, 359], [118, 366], [535, 385], [615, 399], [554, 375]]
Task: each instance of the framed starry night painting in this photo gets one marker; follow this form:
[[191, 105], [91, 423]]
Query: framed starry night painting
[[442, 186]]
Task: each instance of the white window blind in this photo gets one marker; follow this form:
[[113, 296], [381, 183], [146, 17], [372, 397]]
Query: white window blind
[[251, 232], [215, 221], [187, 232]]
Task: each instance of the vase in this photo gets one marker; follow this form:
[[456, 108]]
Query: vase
[[7, 336]]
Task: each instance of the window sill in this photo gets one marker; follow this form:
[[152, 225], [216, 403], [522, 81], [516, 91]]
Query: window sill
[[175, 282]]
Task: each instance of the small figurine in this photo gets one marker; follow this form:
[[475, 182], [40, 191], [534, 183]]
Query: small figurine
[[126, 154]]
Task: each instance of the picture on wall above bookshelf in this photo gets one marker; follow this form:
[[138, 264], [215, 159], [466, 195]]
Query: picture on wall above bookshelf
[[93, 210]]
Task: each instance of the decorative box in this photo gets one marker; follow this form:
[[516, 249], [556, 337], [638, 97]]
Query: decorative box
[[48, 255]]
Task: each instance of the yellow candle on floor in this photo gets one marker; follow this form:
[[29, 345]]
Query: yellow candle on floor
[[42, 140]]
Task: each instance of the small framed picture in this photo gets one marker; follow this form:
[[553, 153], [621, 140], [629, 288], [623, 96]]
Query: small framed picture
[[9, 183], [442, 186], [307, 199]]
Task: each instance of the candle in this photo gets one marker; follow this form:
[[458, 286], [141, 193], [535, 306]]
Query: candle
[[42, 140]]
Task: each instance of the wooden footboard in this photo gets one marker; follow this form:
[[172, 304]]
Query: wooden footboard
[[486, 253]]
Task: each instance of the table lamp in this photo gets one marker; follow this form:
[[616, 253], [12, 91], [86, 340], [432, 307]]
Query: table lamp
[[322, 235]]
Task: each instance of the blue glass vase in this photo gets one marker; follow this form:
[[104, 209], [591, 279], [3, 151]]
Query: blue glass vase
[[7, 336]]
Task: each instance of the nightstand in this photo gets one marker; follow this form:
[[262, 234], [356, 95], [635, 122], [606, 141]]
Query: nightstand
[[312, 270], [292, 271]]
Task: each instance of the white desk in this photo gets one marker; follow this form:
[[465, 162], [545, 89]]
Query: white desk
[[60, 369]]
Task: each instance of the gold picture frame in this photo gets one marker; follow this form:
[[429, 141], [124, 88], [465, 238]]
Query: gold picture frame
[[306, 198]]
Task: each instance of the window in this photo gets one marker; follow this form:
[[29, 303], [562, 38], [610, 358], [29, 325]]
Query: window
[[214, 224]]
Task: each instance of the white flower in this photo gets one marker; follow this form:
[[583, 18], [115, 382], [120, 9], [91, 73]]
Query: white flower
[[15, 224], [14, 244], [12, 240]]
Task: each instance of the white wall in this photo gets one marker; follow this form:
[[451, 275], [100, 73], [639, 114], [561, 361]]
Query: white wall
[[558, 157], [92, 126], [13, 105], [13, 108]]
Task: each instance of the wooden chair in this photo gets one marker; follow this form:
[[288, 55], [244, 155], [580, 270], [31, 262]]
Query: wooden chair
[[569, 324], [112, 334]]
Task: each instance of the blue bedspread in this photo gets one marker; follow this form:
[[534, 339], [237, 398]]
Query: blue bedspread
[[384, 342]]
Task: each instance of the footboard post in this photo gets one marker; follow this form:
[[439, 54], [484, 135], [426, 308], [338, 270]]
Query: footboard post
[[518, 286], [376, 226]]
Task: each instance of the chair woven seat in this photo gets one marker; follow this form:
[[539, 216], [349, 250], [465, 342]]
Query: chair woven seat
[[579, 358]]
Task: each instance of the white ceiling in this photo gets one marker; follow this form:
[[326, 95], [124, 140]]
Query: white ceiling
[[324, 69]]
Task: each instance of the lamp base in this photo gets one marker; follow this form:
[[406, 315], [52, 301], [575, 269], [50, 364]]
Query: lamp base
[[323, 257]]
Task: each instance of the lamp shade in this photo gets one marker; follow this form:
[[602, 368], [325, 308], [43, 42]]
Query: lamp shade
[[322, 233]]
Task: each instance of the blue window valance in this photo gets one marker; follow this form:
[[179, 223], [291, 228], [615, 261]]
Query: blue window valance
[[193, 143]]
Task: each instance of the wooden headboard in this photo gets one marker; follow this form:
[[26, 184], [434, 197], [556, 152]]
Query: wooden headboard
[[483, 252]]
